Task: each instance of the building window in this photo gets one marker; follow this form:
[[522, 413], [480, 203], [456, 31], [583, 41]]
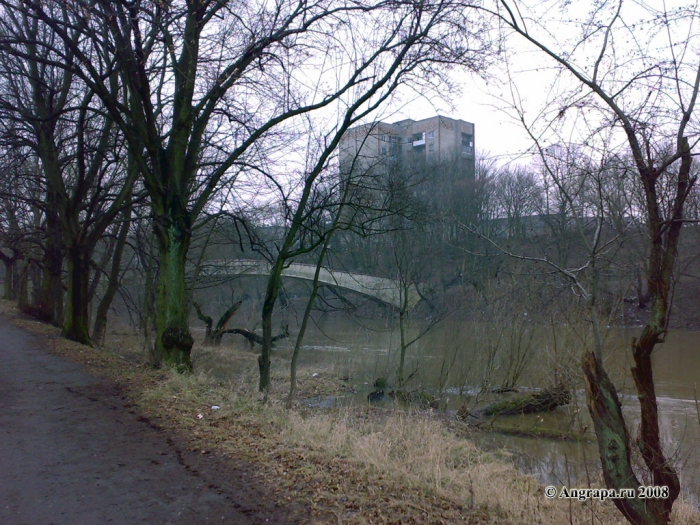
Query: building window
[[417, 137], [467, 143], [383, 150], [431, 147], [431, 134]]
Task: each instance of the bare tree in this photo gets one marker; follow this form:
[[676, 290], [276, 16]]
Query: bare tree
[[34, 98], [518, 195], [115, 253], [16, 223], [83, 184], [407, 50], [648, 93]]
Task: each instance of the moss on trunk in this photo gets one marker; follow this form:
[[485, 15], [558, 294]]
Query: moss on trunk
[[543, 401], [173, 341]]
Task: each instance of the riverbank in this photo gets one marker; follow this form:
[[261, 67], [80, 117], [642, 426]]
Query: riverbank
[[350, 465]]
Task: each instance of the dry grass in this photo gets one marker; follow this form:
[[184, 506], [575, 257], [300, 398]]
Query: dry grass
[[370, 465], [352, 465]]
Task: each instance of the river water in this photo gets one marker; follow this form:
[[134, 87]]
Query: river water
[[456, 360]]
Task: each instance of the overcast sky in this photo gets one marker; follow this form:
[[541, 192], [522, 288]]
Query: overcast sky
[[637, 36], [497, 133]]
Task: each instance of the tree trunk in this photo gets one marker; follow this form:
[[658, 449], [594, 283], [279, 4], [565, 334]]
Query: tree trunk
[[273, 286], [650, 440], [23, 284], [8, 292], [221, 325], [402, 342], [212, 335], [18, 272], [208, 323], [147, 318], [173, 339], [49, 300], [299, 342], [544, 401], [305, 319], [603, 402], [49, 305], [100, 325], [266, 347], [100, 267], [76, 322], [613, 441]]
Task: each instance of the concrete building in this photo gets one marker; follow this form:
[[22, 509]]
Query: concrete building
[[410, 144]]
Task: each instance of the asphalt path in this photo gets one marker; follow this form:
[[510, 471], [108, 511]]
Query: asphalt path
[[73, 451]]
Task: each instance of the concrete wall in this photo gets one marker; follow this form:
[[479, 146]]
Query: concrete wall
[[432, 140]]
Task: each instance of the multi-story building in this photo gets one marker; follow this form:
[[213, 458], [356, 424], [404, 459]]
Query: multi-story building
[[409, 143]]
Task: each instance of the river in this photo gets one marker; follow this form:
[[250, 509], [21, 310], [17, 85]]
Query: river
[[455, 359]]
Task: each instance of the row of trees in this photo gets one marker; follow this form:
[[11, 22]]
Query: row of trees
[[169, 104], [545, 208]]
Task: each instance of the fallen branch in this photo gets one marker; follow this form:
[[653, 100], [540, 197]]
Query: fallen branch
[[537, 402], [213, 336], [253, 338]]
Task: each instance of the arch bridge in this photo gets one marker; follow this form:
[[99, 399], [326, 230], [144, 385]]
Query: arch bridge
[[385, 290]]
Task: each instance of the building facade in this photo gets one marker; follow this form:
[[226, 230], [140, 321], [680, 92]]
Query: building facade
[[409, 143]]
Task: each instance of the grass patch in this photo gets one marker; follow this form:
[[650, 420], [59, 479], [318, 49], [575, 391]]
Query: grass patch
[[353, 465]]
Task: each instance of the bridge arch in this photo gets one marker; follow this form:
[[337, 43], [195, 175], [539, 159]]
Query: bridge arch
[[386, 290]]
